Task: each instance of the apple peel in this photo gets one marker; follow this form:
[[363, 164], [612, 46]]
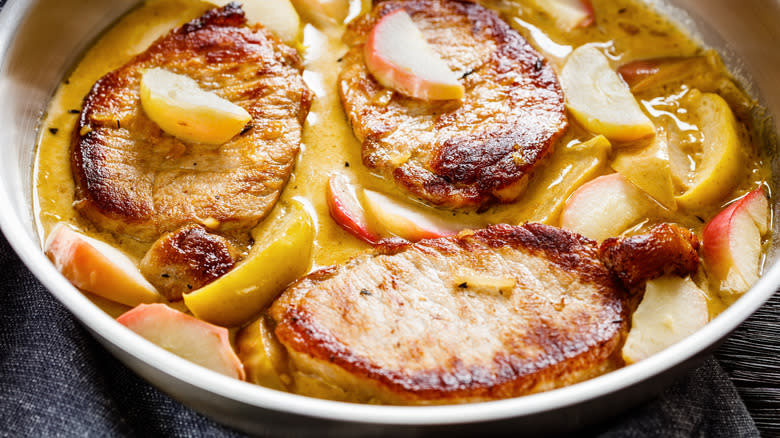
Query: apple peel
[[346, 210], [731, 243]]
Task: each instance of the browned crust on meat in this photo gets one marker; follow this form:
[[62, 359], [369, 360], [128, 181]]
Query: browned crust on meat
[[132, 178], [484, 148], [584, 350], [666, 249], [187, 259]]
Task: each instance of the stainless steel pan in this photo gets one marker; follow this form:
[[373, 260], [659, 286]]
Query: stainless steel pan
[[40, 40]]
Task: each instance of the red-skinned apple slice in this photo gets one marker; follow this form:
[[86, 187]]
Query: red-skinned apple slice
[[97, 267], [405, 221], [399, 57], [569, 14], [205, 344], [605, 207], [731, 242], [346, 210]]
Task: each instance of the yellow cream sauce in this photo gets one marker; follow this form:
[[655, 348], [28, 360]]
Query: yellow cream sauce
[[626, 29]]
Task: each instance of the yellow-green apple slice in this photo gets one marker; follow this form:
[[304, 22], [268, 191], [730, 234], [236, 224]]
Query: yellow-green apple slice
[[322, 12], [281, 253], [719, 169], [568, 14], [98, 267], [731, 243], [346, 210], [650, 169], [197, 341], [600, 100], [406, 221], [278, 16], [399, 57], [672, 309], [178, 105], [605, 207], [264, 358]]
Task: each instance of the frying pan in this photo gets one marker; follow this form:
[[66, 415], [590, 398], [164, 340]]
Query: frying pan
[[41, 39]]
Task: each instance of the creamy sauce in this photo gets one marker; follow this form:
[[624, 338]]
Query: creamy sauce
[[626, 29]]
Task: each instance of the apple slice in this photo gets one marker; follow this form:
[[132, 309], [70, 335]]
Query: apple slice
[[600, 100], [281, 253], [346, 210], [644, 74], [569, 168], [178, 105], [568, 14], [264, 358], [98, 267], [190, 338], [405, 221], [672, 309], [650, 169], [731, 243], [721, 157], [605, 207], [278, 16], [323, 12], [400, 58]]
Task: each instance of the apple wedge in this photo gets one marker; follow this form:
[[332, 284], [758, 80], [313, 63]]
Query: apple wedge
[[98, 267], [721, 157], [405, 221], [264, 358], [672, 309], [644, 74], [278, 16], [281, 253], [650, 169], [605, 207], [178, 105], [731, 243], [570, 167], [600, 100], [323, 12], [568, 14], [346, 210], [399, 57], [190, 338]]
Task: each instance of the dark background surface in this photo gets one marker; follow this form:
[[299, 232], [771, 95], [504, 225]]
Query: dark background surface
[[751, 356]]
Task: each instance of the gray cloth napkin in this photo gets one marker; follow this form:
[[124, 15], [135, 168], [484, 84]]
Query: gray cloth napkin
[[56, 380]]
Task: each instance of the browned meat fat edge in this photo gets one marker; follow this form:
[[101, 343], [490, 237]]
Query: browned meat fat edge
[[665, 249]]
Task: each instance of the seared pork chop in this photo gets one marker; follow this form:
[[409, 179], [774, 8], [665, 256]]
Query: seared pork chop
[[490, 314], [133, 178], [665, 249], [457, 153], [187, 259]]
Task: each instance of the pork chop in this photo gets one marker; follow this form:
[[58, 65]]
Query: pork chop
[[133, 178], [495, 313], [457, 153], [187, 259], [665, 249]]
